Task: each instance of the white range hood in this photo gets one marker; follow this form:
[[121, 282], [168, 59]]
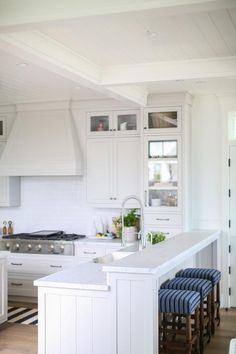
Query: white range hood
[[42, 143]]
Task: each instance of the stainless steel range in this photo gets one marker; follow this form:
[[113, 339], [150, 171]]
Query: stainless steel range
[[41, 242]]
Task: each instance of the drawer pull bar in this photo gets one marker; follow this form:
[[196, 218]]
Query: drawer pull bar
[[17, 264], [86, 252], [166, 233], [55, 266], [16, 284], [162, 219]]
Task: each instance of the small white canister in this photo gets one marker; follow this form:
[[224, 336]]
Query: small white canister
[[156, 202]]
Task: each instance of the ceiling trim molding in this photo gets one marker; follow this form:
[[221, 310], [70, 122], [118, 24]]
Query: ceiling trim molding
[[30, 11], [166, 71], [53, 56], [48, 49]]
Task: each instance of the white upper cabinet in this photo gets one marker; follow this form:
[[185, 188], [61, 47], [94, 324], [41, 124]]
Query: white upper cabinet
[[9, 187], [107, 123], [113, 170], [162, 120]]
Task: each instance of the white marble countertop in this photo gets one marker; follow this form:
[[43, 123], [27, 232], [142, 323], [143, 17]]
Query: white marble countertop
[[86, 276], [157, 258], [152, 260]]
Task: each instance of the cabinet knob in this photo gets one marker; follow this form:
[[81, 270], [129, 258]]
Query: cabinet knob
[[110, 130], [145, 128], [114, 130], [114, 198]]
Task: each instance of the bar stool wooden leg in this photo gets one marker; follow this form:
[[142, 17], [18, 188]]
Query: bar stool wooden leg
[[197, 331], [188, 335], [218, 303]]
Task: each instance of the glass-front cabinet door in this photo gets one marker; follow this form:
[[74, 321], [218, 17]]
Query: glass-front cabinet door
[[123, 122], [162, 173], [162, 119], [127, 122], [99, 123]]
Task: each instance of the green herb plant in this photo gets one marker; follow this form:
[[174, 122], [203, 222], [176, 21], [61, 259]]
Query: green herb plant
[[131, 218], [155, 237]]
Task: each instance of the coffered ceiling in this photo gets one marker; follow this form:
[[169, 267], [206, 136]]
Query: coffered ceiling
[[123, 49]]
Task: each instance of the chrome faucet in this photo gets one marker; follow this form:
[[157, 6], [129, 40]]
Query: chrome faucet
[[141, 232]]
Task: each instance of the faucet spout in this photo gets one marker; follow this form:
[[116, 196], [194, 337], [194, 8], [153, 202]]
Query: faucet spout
[[143, 238]]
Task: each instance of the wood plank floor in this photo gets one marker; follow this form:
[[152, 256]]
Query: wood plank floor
[[18, 339], [22, 339], [224, 333]]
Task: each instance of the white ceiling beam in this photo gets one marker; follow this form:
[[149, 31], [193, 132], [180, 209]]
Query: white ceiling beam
[[15, 12], [166, 71], [42, 50]]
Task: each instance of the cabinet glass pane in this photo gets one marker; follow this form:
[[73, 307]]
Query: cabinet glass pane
[[1, 127], [162, 149], [127, 122], [163, 198], [163, 174], [99, 123], [159, 120]]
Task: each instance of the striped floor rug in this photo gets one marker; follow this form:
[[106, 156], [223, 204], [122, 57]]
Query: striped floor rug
[[23, 315]]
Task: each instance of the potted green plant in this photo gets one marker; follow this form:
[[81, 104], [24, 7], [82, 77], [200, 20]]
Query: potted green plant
[[131, 224]]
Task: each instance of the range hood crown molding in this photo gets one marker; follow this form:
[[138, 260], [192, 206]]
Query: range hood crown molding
[[42, 143]]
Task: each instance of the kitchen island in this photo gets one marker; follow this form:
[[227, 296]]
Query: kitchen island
[[111, 308]]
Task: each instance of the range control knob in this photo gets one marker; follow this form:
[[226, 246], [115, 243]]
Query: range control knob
[[29, 247], [17, 246], [39, 248], [62, 248], [8, 246], [51, 248]]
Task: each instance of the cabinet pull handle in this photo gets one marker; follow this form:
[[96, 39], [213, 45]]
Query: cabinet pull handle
[[55, 266], [87, 252], [166, 233], [16, 284], [162, 219], [114, 198], [16, 264], [145, 198]]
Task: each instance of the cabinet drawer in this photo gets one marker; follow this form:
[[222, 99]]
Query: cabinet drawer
[[163, 219], [56, 266], [21, 287], [20, 265], [90, 252], [40, 264]]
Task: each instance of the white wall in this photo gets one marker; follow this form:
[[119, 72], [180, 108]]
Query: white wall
[[206, 162]]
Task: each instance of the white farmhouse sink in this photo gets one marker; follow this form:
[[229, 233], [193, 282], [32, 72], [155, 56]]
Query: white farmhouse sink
[[112, 257]]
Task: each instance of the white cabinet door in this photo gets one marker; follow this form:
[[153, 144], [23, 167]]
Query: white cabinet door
[[99, 170], [9, 188], [127, 167], [3, 290], [113, 170]]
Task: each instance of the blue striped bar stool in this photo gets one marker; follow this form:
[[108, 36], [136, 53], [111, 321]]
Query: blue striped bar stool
[[204, 288], [214, 276], [175, 307]]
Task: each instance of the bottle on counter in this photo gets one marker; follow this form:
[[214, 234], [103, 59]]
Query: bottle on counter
[[10, 227], [4, 229]]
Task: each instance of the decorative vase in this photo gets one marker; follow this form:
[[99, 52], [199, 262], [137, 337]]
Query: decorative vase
[[130, 233]]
